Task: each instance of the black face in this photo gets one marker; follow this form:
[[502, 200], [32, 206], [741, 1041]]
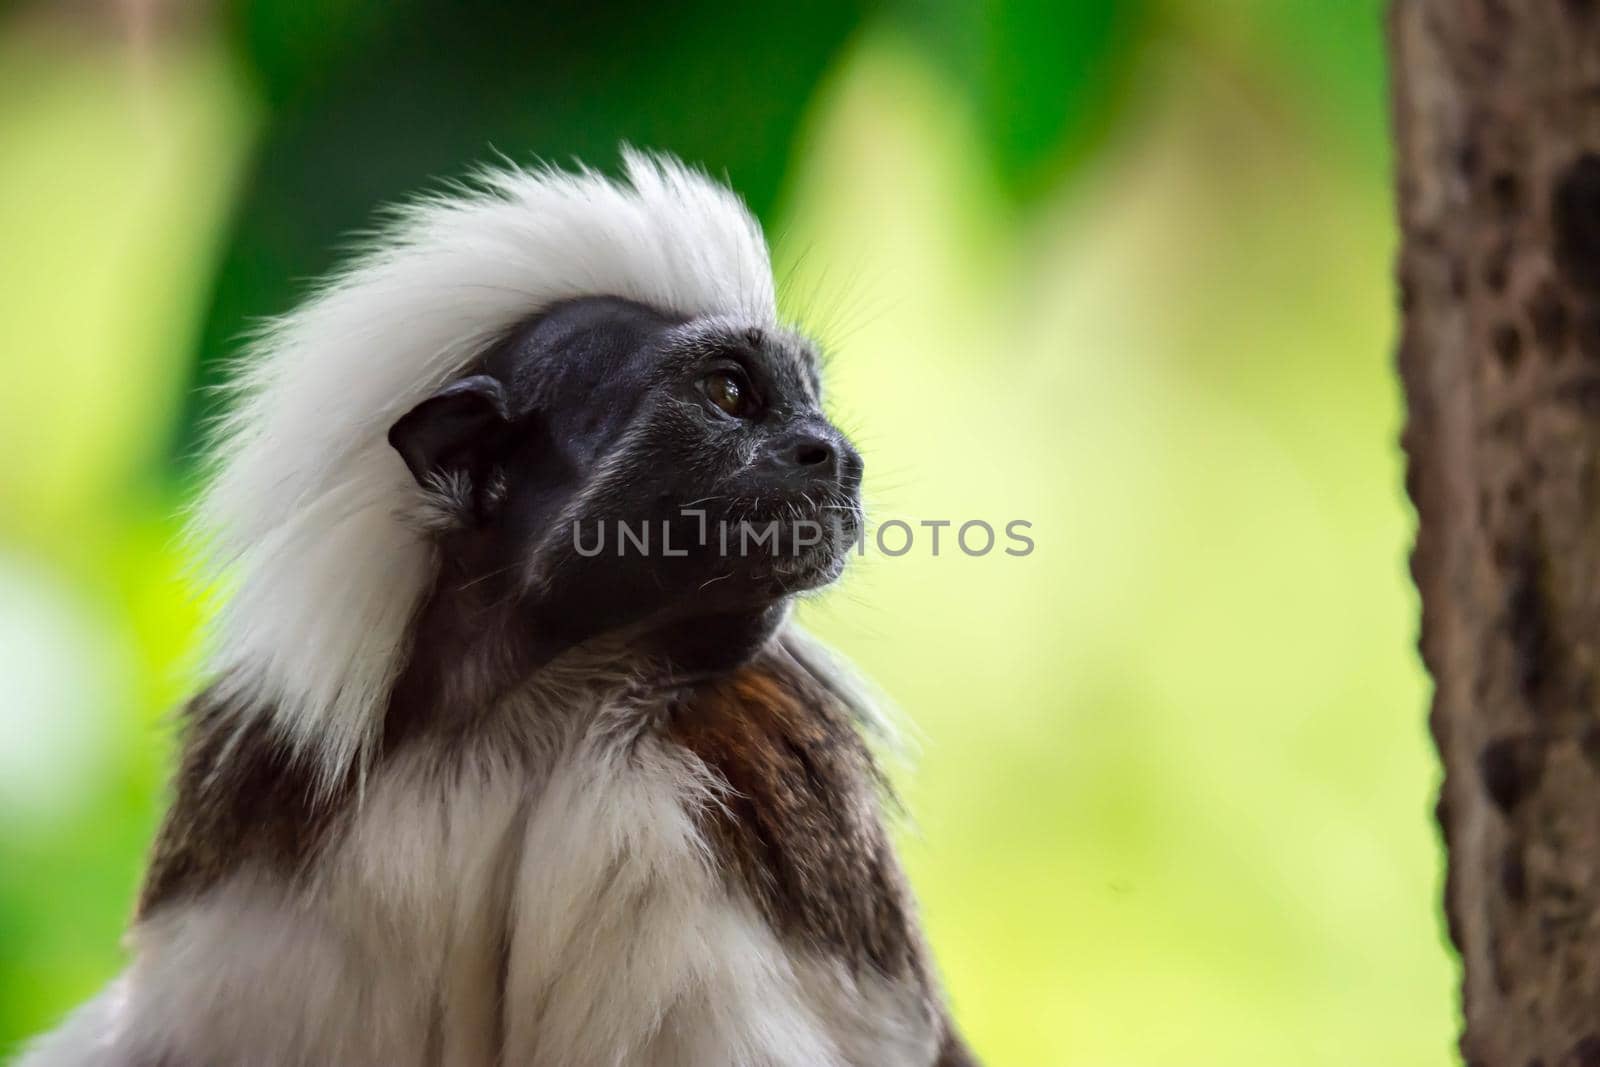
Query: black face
[[616, 470]]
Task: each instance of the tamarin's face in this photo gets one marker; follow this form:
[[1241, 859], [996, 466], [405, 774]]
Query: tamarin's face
[[615, 469]]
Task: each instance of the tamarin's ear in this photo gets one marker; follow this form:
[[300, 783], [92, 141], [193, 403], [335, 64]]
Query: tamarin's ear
[[455, 435]]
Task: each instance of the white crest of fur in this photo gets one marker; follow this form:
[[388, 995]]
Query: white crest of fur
[[302, 525]]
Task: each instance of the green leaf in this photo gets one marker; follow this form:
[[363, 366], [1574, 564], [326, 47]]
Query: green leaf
[[1042, 77]]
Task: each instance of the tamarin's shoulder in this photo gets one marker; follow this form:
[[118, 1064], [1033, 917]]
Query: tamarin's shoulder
[[802, 823], [239, 800], [802, 826]]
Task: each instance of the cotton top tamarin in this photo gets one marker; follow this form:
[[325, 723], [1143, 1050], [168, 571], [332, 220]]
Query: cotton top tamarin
[[465, 790]]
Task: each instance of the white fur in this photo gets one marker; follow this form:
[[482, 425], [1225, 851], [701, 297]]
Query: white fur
[[303, 524], [580, 859]]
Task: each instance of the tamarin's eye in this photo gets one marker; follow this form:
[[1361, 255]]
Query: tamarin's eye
[[730, 392]]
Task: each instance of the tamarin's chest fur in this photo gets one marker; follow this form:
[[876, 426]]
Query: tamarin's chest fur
[[797, 827], [801, 826]]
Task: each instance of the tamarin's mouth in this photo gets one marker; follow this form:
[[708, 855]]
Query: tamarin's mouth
[[814, 551], [811, 569], [797, 531]]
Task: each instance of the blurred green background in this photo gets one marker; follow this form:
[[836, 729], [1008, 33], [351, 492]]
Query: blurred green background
[[1120, 269]]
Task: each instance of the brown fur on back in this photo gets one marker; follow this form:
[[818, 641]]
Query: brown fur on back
[[239, 801]]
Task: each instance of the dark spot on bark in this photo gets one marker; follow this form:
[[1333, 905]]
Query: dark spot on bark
[[1583, 394], [1506, 192], [1586, 1053], [1503, 553], [1458, 280], [1588, 333], [1510, 769], [1589, 741], [1498, 966], [1575, 211], [1489, 49], [1514, 875], [1562, 891], [1467, 159], [1548, 314], [1526, 621], [1509, 425], [1579, 8], [1507, 342], [1497, 268], [1413, 480]]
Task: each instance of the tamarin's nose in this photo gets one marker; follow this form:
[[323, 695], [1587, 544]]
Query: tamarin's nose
[[814, 452], [811, 457]]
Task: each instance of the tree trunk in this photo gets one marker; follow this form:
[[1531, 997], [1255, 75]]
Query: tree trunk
[[1497, 110]]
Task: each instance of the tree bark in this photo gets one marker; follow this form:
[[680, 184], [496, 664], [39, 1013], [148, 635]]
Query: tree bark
[[1497, 113]]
